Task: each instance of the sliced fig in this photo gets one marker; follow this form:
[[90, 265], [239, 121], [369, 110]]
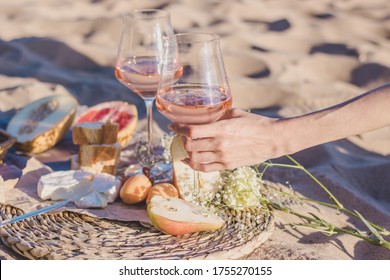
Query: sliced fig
[[122, 113], [41, 124]]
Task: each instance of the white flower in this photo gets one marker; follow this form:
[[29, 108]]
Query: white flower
[[241, 188]]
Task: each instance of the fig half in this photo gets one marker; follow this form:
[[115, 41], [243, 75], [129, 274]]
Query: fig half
[[122, 113]]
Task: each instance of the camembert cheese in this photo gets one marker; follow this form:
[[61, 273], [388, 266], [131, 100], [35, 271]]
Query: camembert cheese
[[86, 189]]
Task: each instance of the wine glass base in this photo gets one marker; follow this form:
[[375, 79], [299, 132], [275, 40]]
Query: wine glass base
[[135, 159], [160, 172]]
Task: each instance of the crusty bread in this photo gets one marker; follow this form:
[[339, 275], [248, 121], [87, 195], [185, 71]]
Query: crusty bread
[[99, 151], [95, 133], [99, 158], [100, 168], [93, 168]]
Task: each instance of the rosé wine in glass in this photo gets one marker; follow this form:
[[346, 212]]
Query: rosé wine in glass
[[139, 58], [201, 93], [141, 75], [193, 104]]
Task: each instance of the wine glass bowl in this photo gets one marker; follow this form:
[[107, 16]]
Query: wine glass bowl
[[139, 57], [201, 93]]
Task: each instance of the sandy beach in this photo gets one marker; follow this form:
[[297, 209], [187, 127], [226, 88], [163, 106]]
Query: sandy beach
[[283, 59]]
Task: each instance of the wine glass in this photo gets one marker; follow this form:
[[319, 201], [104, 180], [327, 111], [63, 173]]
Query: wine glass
[[139, 56], [201, 94]]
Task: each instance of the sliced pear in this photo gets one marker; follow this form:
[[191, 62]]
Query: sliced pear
[[176, 216], [164, 189], [41, 124], [183, 176]]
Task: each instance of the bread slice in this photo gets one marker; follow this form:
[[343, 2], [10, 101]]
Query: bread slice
[[94, 168], [88, 133], [99, 158], [99, 168]]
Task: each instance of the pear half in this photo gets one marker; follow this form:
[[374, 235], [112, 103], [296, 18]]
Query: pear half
[[41, 124], [183, 176], [176, 216]]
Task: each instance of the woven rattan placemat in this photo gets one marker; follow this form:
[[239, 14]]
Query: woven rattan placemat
[[70, 235]]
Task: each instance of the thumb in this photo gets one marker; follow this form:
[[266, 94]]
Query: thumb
[[233, 113]]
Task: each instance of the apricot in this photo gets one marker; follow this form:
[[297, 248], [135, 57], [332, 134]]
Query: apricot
[[135, 189]]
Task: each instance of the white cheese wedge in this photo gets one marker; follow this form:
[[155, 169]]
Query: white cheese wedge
[[87, 190], [74, 162], [92, 200], [64, 185], [107, 185]]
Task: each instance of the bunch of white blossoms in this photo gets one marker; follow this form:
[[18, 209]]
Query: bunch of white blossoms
[[241, 188]]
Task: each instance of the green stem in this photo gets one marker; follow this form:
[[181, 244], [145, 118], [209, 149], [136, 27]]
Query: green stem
[[335, 200], [316, 223], [382, 230], [333, 230], [338, 205]]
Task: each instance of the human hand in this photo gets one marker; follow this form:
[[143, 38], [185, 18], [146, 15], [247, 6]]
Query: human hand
[[238, 139]]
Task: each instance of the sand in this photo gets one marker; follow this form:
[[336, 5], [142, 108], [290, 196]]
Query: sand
[[283, 58]]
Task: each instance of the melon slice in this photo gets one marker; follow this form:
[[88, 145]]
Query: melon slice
[[122, 113], [176, 216], [41, 124], [183, 176]]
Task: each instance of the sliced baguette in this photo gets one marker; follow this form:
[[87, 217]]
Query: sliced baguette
[[93, 168], [99, 158], [88, 133], [99, 168]]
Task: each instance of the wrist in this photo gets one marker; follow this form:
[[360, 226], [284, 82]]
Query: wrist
[[287, 141], [280, 137], [294, 135]]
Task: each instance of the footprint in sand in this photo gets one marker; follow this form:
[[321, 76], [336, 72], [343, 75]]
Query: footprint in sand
[[279, 25], [332, 48], [370, 75], [245, 65], [323, 16]]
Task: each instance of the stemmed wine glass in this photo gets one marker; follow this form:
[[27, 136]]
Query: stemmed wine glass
[[139, 57], [201, 94]]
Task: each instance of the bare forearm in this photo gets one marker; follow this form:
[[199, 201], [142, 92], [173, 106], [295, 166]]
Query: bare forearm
[[366, 112], [228, 143]]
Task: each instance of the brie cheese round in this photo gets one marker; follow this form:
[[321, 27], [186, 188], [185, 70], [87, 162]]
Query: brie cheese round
[[86, 189]]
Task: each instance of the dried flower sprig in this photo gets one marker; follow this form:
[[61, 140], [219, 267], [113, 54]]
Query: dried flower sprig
[[374, 235]]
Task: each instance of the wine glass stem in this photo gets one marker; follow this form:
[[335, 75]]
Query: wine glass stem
[[149, 115], [196, 183]]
